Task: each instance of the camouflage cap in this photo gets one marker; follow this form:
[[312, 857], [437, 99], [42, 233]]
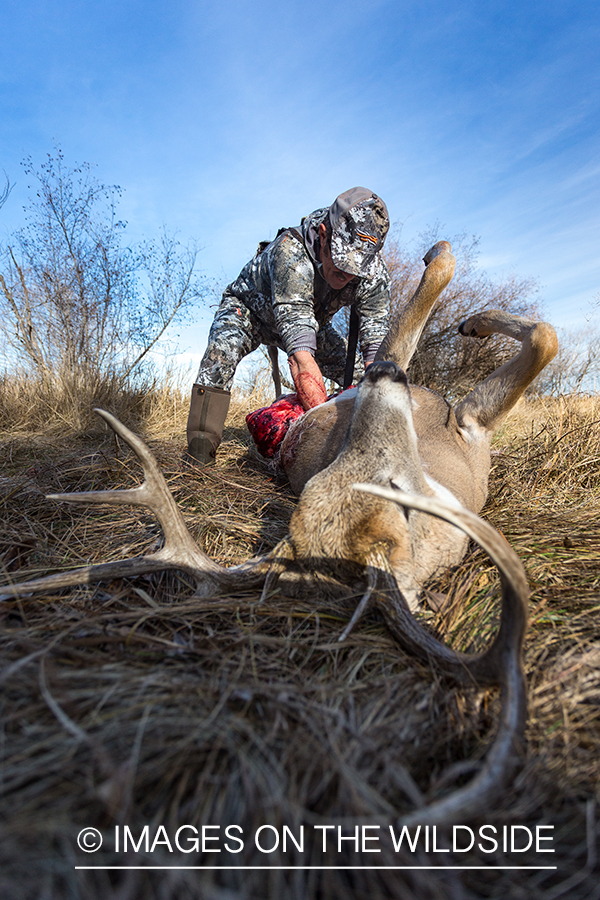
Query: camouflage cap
[[359, 223]]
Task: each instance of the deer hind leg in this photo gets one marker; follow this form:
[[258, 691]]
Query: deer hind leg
[[407, 326], [489, 402]]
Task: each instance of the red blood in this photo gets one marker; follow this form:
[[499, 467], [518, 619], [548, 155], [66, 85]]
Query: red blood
[[268, 426]]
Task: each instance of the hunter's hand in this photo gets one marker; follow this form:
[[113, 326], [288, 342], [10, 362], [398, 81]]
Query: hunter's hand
[[308, 380]]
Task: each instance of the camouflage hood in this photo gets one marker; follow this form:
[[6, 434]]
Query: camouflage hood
[[309, 228]]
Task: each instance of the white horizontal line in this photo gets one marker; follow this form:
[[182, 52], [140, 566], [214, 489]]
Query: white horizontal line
[[366, 868]]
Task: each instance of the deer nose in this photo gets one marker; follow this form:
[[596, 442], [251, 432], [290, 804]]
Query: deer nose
[[385, 369]]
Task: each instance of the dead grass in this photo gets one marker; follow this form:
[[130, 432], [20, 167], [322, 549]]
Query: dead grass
[[62, 407], [131, 703]]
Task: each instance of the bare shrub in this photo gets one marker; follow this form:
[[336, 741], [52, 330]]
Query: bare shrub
[[5, 190], [576, 366], [80, 311], [445, 361]]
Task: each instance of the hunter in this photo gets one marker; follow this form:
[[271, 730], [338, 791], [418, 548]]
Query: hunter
[[286, 297]]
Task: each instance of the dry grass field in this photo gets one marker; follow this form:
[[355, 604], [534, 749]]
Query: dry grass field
[[131, 704]]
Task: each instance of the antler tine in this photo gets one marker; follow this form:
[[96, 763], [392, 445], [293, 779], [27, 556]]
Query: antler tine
[[179, 551], [154, 494], [122, 568], [502, 660]]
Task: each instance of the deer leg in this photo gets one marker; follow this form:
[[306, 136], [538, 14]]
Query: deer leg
[[316, 443], [407, 326], [489, 402]]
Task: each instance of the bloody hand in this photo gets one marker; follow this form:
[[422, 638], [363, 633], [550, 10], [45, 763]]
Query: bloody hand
[[308, 380]]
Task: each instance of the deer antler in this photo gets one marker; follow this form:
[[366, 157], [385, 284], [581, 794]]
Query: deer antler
[[500, 664], [178, 552]]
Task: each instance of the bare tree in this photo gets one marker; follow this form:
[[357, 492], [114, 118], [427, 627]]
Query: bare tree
[[77, 306]]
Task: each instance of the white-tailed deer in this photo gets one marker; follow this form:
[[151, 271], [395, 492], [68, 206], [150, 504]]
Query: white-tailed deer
[[391, 478]]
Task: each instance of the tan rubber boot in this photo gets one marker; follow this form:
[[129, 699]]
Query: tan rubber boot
[[208, 411]]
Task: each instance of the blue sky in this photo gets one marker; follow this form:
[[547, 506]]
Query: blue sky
[[224, 121]]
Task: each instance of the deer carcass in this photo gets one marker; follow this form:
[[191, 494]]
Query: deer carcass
[[390, 479]]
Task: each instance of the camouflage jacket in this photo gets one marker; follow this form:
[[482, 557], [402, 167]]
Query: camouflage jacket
[[284, 288]]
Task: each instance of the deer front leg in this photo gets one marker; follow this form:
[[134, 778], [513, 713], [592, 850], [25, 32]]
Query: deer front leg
[[491, 400]]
